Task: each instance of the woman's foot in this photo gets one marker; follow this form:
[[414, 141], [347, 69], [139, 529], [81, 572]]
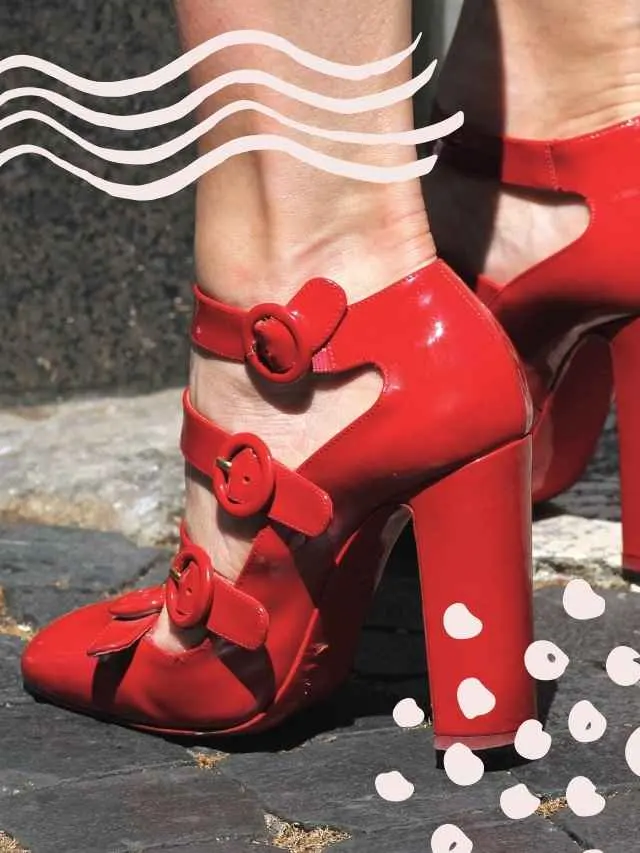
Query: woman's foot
[[266, 223]]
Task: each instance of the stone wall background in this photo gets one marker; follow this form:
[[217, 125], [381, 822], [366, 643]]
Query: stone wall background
[[95, 291]]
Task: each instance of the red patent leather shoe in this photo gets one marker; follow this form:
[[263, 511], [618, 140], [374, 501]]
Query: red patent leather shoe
[[448, 437], [574, 317]]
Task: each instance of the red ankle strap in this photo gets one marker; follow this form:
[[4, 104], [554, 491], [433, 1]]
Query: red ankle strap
[[604, 161], [280, 342], [247, 481]]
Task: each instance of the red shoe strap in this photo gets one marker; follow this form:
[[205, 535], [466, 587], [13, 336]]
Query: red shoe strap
[[604, 161], [246, 479], [198, 595], [195, 596], [279, 342]]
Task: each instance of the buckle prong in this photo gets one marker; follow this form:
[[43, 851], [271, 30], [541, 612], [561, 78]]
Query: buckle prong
[[223, 464]]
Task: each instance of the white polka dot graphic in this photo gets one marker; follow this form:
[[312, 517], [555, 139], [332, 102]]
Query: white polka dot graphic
[[407, 714], [460, 623], [623, 667], [518, 802], [583, 799], [449, 838], [581, 602], [474, 699], [586, 723], [394, 787], [545, 661], [532, 742], [632, 752], [462, 766]]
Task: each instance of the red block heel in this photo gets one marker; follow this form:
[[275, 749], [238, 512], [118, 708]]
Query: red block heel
[[284, 634], [625, 347], [473, 531], [559, 312]]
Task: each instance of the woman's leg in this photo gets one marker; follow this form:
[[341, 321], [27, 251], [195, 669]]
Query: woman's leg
[[265, 223], [537, 70]]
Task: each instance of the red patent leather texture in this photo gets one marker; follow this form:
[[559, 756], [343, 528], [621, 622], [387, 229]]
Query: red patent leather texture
[[448, 436], [573, 316]]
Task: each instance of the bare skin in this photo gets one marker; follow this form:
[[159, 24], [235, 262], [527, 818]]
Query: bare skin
[[540, 70], [265, 223]]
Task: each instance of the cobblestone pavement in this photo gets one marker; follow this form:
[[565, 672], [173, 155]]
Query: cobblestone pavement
[[69, 783], [114, 464]]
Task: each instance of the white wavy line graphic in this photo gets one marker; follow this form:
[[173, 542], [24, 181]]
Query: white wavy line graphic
[[177, 181], [167, 115], [181, 178], [158, 153], [184, 63]]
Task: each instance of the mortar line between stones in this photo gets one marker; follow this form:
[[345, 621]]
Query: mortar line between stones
[[96, 777]]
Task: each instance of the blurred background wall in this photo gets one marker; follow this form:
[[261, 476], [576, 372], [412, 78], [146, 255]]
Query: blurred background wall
[[95, 291]]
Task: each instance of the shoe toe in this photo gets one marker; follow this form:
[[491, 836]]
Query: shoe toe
[[56, 664]]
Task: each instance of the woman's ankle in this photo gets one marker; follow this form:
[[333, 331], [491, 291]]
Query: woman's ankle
[[364, 239], [544, 70]]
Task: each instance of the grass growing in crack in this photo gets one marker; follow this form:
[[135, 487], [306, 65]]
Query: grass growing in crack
[[9, 626], [207, 761], [10, 845], [550, 805], [297, 839]]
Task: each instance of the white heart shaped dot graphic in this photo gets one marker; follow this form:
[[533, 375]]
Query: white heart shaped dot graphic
[[545, 661], [394, 787], [462, 766], [583, 799], [532, 741], [518, 802], [632, 752], [474, 699], [449, 838], [460, 623], [407, 714], [581, 602], [586, 723], [623, 667]]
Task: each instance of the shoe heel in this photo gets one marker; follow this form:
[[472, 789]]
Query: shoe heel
[[625, 349], [473, 536]]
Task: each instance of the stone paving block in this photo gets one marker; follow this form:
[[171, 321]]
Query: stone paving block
[[614, 830], [397, 602], [35, 556], [587, 681], [602, 762], [332, 782], [149, 809], [593, 639], [491, 834], [391, 654], [11, 691], [159, 570], [110, 464], [42, 746], [37, 607]]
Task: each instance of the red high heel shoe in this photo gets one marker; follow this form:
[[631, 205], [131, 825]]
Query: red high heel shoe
[[457, 453], [574, 316]]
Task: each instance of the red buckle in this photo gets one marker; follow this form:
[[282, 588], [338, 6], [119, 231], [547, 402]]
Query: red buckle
[[244, 478], [189, 588], [275, 341]]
